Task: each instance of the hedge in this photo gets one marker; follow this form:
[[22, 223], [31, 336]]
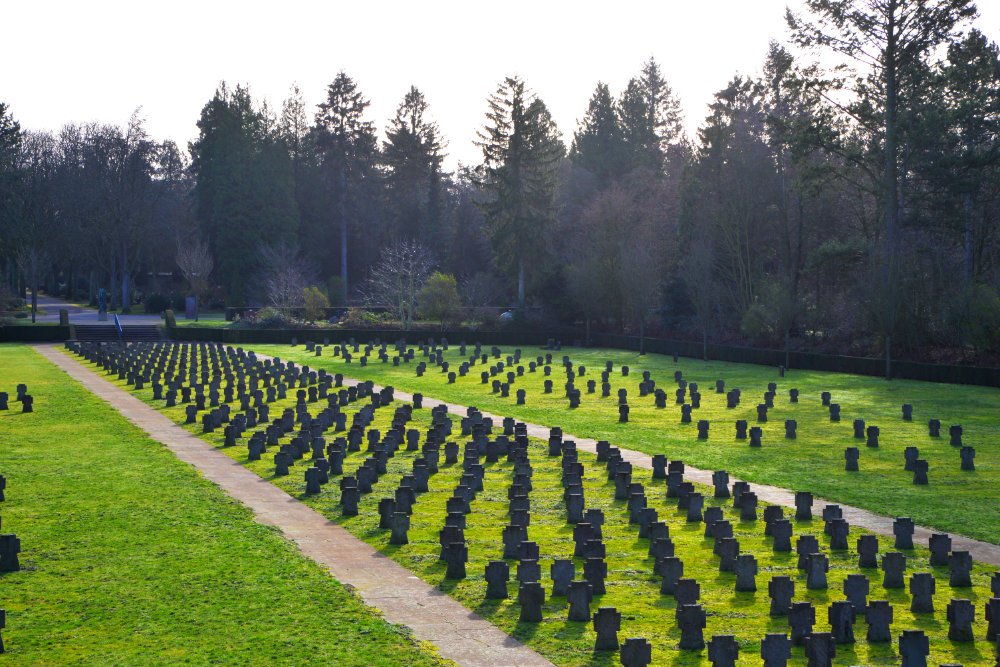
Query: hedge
[[908, 370]]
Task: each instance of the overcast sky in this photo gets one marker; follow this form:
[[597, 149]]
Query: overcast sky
[[99, 60]]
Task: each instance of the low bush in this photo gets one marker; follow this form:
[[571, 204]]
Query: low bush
[[156, 303]]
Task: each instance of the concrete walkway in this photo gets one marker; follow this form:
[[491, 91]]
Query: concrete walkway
[[984, 552], [458, 633]]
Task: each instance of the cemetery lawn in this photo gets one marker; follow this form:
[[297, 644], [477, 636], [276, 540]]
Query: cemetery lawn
[[130, 557], [955, 501], [632, 588]]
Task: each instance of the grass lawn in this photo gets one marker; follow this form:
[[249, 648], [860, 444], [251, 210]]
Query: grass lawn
[[631, 586], [954, 501], [130, 557]]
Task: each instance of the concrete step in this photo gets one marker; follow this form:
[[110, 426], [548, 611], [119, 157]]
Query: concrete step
[[108, 332]]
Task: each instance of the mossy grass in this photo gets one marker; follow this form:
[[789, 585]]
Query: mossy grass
[[955, 501], [130, 557], [632, 588]]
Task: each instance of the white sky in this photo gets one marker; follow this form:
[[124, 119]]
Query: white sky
[[99, 60]]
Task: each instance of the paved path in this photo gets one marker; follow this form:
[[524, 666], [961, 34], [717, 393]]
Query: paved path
[[984, 552], [85, 315], [458, 633]]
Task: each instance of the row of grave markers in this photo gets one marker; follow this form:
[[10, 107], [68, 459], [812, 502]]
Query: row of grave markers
[[403, 500]]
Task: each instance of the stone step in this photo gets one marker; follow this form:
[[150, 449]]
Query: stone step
[[108, 332]]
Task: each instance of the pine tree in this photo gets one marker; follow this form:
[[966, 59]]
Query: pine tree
[[347, 152], [521, 153], [599, 143], [413, 154], [891, 39], [245, 189]]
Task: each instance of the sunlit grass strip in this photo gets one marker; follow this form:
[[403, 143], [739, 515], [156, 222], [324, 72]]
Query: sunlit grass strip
[[130, 557]]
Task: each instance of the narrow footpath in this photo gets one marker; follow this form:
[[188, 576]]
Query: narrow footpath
[[434, 617]]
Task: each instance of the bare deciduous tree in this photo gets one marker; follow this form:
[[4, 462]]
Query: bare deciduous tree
[[195, 262], [402, 269], [286, 276]]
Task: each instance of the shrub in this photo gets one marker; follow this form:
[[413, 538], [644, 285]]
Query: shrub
[[335, 291], [438, 298], [314, 303], [358, 318], [170, 319], [157, 303]]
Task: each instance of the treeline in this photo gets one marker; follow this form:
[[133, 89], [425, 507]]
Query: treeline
[[853, 210]]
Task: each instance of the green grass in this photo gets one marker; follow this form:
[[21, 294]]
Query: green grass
[[954, 501], [130, 557], [205, 321], [631, 587]]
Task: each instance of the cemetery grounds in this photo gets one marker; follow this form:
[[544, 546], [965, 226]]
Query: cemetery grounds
[[954, 500]]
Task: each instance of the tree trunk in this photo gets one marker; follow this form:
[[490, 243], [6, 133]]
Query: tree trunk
[[642, 336], [788, 345], [520, 283], [888, 358], [704, 343], [34, 292], [112, 301], [92, 289], [342, 212], [967, 256]]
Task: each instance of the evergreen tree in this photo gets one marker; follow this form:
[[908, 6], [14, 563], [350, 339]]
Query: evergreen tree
[[650, 116], [412, 154], [599, 143], [347, 150], [244, 196], [521, 153], [891, 39], [11, 138]]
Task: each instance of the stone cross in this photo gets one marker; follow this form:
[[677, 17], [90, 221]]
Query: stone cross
[[801, 618], [691, 620], [893, 569], [805, 545], [960, 564], [671, 570], [803, 505], [775, 649], [867, 551], [635, 652], [10, 547], [607, 623], [781, 589], [817, 566], [856, 589], [922, 587], [878, 616], [851, 456], [530, 596], [497, 576], [561, 572], [902, 528], [723, 651], [821, 649], [939, 545], [840, 614], [781, 531], [961, 615], [746, 572], [914, 646], [579, 595]]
